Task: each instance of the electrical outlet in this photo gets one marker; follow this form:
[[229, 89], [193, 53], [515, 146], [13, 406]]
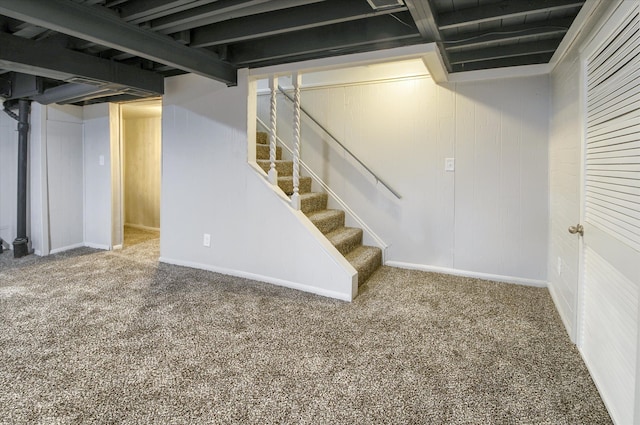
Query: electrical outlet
[[101, 159], [449, 164], [206, 240], [559, 266]]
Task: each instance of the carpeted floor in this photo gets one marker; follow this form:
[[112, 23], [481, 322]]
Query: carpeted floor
[[115, 337], [134, 235]]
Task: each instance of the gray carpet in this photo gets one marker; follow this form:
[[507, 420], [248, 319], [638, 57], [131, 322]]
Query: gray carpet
[[115, 337]]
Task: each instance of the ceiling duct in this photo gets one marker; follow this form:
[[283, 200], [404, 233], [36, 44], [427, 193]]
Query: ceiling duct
[[72, 93], [385, 4]]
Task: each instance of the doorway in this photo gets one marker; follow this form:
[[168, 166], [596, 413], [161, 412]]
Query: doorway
[[141, 137], [609, 289]]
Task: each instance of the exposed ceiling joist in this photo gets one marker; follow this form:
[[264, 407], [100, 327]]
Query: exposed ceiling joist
[[424, 17], [505, 62], [49, 60], [555, 28], [279, 22], [98, 26], [141, 10], [502, 52], [329, 40], [503, 10], [219, 11]]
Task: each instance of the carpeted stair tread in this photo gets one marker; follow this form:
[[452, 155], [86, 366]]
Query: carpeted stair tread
[[284, 168], [286, 184], [313, 201], [345, 239], [327, 220], [366, 260], [262, 152]]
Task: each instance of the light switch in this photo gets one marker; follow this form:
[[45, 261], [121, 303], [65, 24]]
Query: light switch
[[449, 164], [101, 159]]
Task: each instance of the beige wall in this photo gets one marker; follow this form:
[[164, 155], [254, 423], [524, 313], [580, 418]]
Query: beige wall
[[142, 144]]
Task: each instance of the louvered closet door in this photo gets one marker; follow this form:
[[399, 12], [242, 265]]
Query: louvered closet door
[[611, 245]]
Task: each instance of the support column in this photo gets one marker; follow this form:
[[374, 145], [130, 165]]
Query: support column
[[21, 243]]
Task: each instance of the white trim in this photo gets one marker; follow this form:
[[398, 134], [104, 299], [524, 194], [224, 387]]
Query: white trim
[[500, 73], [141, 227], [67, 248], [434, 63], [259, 278], [467, 273], [96, 246], [415, 51], [321, 86], [44, 182], [580, 23], [561, 311], [117, 247]]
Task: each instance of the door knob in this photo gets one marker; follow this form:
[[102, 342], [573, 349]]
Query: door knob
[[578, 228]]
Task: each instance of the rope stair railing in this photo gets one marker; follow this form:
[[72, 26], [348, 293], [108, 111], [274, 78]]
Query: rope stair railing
[[335, 139], [274, 87]]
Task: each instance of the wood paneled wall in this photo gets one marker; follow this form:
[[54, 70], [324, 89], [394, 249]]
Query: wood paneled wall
[[142, 158]]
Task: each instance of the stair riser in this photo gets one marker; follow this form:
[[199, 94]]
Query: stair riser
[[262, 152], [262, 138], [284, 168], [287, 185], [349, 244], [331, 223], [365, 271], [315, 203]]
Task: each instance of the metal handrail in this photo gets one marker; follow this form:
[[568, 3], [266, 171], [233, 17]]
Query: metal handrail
[[378, 179]]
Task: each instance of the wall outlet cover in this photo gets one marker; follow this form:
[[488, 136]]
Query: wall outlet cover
[[206, 240], [449, 164]]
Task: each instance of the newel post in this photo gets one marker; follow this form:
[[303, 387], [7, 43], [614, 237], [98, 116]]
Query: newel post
[[297, 82], [273, 172]]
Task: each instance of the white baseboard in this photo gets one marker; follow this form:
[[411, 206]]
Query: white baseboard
[[117, 247], [66, 248], [466, 273], [261, 278], [141, 227], [562, 312], [96, 246]]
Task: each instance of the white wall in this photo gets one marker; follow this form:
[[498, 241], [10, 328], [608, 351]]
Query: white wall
[[142, 143], [488, 218], [65, 176], [209, 187], [8, 177], [565, 156], [54, 207], [97, 170]]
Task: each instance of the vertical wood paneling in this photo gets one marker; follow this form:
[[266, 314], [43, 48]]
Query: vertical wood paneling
[[488, 216], [142, 140], [65, 175], [610, 330], [8, 177], [98, 183]]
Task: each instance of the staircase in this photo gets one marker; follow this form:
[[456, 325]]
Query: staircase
[[347, 240]]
